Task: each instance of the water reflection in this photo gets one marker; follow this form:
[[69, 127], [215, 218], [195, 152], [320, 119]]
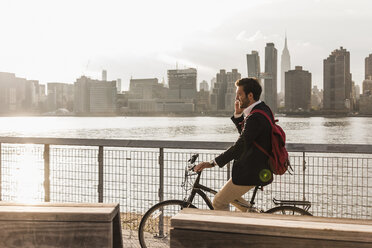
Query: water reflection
[[336, 123], [295, 125], [353, 130]]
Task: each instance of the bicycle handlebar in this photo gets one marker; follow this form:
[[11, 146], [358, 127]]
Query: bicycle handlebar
[[193, 158]]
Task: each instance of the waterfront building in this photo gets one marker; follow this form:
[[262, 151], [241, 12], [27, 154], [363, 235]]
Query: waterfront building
[[316, 98], [94, 96], [18, 95], [270, 85], [118, 85], [182, 83], [147, 88], [221, 95], [368, 66], [202, 103], [60, 95], [337, 81], [365, 103], [8, 96], [203, 86], [104, 75], [285, 66], [161, 105], [253, 65], [297, 90], [213, 81], [30, 100], [144, 93], [357, 91], [230, 96], [367, 85]]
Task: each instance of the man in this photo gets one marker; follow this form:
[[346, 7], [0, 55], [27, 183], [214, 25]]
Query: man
[[250, 167]]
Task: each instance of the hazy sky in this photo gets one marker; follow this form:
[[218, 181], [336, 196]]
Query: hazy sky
[[58, 41]]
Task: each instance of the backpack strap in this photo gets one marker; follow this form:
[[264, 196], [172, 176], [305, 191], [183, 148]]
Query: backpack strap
[[271, 123], [262, 150], [264, 114]]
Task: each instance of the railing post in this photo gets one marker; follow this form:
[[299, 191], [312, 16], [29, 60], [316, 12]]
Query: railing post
[[46, 173], [0, 175], [228, 172], [100, 174], [161, 189], [303, 175]]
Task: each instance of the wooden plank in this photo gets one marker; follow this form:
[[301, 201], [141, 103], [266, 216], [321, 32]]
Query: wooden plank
[[62, 204], [273, 225], [183, 238], [276, 216], [55, 234], [56, 213], [60, 225], [116, 231]]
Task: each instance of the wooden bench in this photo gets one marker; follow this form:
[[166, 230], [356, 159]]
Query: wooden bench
[[60, 225], [206, 228]]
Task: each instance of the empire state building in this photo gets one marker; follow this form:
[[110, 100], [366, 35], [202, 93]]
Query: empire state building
[[285, 65]]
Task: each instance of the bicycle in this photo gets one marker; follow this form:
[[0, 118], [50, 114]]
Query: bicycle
[[155, 224]]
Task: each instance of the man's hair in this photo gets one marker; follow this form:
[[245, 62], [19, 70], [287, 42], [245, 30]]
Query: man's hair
[[250, 85]]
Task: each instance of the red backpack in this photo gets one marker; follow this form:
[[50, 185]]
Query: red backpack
[[279, 161]]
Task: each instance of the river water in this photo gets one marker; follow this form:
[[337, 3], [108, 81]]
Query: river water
[[347, 130]]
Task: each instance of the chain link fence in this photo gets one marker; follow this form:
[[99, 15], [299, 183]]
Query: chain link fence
[[337, 184]]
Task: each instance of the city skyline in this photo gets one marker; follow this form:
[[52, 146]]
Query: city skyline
[[60, 41]]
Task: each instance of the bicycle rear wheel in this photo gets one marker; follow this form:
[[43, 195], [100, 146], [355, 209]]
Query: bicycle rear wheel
[[155, 224], [288, 210]]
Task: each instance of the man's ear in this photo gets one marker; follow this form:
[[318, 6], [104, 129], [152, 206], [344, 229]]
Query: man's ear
[[250, 95]]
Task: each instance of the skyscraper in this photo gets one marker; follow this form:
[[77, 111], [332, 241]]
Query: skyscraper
[[253, 64], [118, 85], [337, 81], [285, 65], [219, 91], [60, 95], [104, 75], [223, 93], [182, 83], [367, 86], [368, 67], [297, 89], [230, 95], [203, 86], [271, 68], [94, 96]]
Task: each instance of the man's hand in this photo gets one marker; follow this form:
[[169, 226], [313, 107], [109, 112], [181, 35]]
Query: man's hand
[[202, 166], [238, 110]]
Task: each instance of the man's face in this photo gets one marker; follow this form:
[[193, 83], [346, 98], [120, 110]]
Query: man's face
[[242, 97]]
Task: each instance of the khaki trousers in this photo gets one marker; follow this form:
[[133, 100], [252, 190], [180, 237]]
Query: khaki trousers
[[228, 193]]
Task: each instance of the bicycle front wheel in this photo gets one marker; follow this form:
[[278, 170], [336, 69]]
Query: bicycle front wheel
[[155, 224], [288, 210]]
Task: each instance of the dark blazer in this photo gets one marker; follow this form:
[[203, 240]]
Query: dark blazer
[[248, 159]]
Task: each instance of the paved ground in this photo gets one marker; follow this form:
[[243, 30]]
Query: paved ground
[[130, 239]]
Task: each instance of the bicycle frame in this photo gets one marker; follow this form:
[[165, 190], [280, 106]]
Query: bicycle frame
[[199, 189]]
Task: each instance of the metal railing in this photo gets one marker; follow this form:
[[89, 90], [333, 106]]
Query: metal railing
[[337, 179]]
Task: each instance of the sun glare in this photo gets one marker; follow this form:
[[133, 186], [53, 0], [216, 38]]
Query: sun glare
[[28, 177]]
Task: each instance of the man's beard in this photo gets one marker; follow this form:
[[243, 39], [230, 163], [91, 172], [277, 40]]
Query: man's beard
[[245, 104]]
